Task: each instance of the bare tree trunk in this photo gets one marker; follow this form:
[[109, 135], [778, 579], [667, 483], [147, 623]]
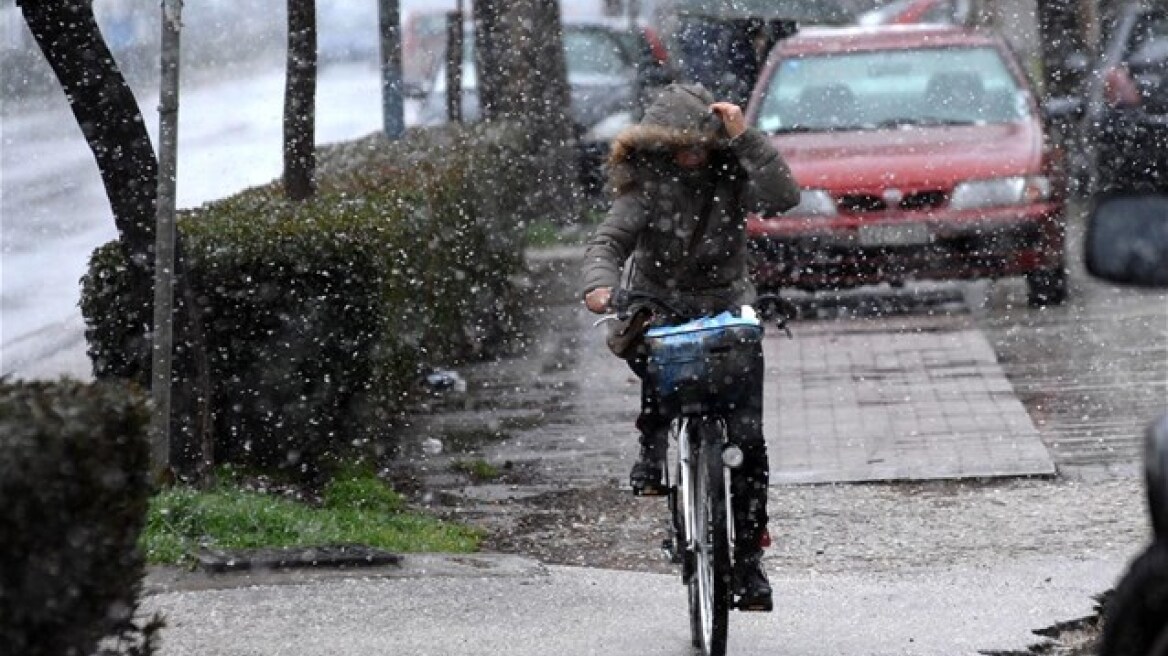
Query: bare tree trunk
[[300, 102], [1061, 29], [523, 78], [108, 115], [112, 123]]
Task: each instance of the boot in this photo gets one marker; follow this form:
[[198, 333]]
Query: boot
[[751, 586], [648, 475]]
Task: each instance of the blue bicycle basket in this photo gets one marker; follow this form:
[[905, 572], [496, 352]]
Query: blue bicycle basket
[[700, 366]]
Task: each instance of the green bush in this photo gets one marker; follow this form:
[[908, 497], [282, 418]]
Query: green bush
[[319, 316], [74, 486]]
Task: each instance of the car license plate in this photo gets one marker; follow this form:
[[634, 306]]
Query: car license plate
[[896, 234]]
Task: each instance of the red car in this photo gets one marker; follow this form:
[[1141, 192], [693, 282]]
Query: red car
[[921, 153]]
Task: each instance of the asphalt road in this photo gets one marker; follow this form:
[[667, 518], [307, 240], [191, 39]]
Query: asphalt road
[[578, 611], [54, 211]]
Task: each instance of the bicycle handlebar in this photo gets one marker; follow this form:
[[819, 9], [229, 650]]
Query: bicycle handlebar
[[770, 307], [622, 300]]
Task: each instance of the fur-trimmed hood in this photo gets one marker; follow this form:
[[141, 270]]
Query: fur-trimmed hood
[[678, 118]]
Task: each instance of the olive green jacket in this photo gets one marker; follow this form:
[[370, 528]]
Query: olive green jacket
[[646, 241]]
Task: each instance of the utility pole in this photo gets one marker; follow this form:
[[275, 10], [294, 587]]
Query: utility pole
[[163, 336], [389, 14]]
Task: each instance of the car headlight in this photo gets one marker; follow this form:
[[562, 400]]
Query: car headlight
[[816, 202], [994, 192]]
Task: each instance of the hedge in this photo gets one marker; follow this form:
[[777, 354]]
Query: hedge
[[319, 316], [74, 488]]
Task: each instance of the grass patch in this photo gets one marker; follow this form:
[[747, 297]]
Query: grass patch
[[477, 469], [354, 510]]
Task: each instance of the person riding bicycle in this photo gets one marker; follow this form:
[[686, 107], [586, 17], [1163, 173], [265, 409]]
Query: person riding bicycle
[[684, 180]]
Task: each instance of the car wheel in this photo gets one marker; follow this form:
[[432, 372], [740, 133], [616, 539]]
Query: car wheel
[[1048, 287]]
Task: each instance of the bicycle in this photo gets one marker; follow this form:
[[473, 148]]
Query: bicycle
[[692, 364]]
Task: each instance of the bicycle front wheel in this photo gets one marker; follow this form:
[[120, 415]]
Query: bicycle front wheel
[[709, 587]]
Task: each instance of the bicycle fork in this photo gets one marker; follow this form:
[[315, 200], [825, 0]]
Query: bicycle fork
[[680, 504]]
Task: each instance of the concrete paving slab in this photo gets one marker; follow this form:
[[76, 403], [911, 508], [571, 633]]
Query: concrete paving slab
[[850, 403]]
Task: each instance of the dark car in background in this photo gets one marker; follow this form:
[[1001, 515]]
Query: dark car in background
[[601, 73], [606, 70], [921, 154], [723, 45], [1124, 130]]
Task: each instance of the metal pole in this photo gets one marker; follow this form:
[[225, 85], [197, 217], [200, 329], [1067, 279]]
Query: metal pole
[[163, 337], [391, 69]]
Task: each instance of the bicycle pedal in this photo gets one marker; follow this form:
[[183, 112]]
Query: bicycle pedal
[[757, 606], [670, 552], [650, 491]]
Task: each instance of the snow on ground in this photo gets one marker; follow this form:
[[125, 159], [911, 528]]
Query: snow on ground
[[54, 212]]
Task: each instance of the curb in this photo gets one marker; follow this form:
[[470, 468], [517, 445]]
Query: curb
[[169, 579], [217, 561]]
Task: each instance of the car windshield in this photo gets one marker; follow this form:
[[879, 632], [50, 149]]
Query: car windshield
[[892, 89], [593, 52]]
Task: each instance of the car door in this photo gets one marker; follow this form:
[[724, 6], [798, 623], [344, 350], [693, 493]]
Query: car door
[[601, 74]]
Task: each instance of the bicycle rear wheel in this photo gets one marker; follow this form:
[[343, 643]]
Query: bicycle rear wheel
[[709, 587]]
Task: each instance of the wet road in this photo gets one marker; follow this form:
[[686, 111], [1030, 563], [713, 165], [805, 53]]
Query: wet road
[[1091, 373], [586, 612], [934, 568], [53, 208]]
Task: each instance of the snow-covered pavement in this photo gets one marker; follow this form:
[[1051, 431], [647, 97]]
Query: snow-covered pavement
[[54, 212]]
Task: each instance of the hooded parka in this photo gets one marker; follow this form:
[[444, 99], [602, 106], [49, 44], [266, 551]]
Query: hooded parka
[[658, 205]]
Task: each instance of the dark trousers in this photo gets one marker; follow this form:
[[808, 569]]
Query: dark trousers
[[748, 483]]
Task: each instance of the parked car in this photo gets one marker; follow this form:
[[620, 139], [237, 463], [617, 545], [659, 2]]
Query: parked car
[[908, 12], [921, 153], [605, 76], [423, 45], [1124, 130], [722, 45]]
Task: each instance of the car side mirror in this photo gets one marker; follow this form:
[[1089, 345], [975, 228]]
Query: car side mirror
[[1127, 239], [1063, 109], [413, 90], [1076, 63]]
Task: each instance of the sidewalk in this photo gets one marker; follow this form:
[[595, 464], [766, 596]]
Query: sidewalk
[[923, 398], [907, 398]]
